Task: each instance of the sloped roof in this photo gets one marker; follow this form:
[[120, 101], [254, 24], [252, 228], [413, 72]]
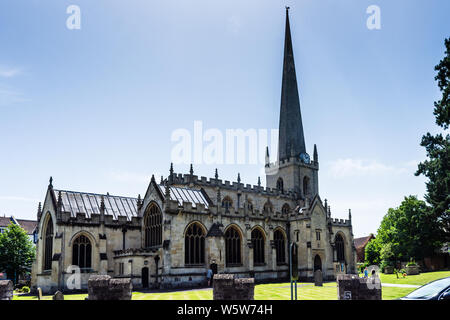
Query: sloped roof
[[27, 225], [89, 203], [181, 194], [361, 242]]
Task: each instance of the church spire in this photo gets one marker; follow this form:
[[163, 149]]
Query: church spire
[[291, 139]]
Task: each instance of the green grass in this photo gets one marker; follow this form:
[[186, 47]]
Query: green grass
[[281, 291], [278, 291], [419, 279]]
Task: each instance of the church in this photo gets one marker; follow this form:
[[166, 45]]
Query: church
[[186, 224]]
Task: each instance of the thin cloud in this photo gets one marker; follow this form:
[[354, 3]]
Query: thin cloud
[[9, 72], [358, 167], [234, 24], [10, 96]]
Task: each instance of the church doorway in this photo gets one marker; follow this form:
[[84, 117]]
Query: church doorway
[[145, 277], [317, 263]]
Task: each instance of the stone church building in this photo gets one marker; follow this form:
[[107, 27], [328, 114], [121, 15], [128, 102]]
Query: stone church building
[[185, 224]]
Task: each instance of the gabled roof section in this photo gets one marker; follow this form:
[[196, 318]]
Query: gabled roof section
[[181, 194], [362, 242], [89, 203]]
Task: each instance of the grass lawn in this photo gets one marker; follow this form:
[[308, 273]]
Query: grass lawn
[[419, 279], [274, 291]]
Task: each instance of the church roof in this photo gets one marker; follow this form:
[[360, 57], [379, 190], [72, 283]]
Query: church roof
[[89, 203], [181, 194]]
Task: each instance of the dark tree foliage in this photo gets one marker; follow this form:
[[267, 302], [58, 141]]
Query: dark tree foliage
[[437, 167]]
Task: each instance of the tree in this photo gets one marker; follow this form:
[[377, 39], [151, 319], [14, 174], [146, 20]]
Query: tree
[[410, 230], [372, 252], [437, 167], [16, 251]]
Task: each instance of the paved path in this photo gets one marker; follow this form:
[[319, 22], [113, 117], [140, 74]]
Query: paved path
[[398, 285]]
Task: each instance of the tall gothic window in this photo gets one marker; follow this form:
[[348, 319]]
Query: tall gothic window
[[285, 209], [48, 244], [82, 252], [280, 185], [153, 226], [232, 247], [257, 239], [340, 254], [306, 186], [227, 204], [194, 245], [280, 246]]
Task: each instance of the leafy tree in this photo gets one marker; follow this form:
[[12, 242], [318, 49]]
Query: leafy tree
[[372, 252], [16, 251], [437, 167], [410, 231]]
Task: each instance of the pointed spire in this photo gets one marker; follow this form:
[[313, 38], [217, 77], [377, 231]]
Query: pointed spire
[[267, 157], [162, 180], [191, 170], [39, 212], [316, 155], [102, 205], [167, 192], [59, 200], [350, 214], [291, 140], [170, 179], [216, 175], [239, 178], [139, 202], [259, 181], [153, 178], [50, 182]]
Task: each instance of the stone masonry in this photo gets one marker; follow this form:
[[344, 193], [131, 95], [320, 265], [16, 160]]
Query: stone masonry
[[352, 287], [103, 287], [226, 287], [6, 290]]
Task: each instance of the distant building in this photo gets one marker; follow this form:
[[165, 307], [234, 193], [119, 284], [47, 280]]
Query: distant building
[[28, 225], [360, 245]]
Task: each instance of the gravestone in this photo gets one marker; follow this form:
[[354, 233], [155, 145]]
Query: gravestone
[[352, 287], [318, 278], [226, 287], [6, 290], [58, 296], [39, 291], [103, 287]]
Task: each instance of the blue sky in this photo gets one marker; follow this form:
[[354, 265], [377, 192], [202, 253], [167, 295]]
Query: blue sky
[[96, 107]]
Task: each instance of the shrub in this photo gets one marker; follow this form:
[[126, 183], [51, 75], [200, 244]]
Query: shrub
[[25, 289]]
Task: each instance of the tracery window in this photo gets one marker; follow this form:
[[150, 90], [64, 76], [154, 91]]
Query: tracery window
[[257, 239], [194, 245], [280, 246], [48, 245], [153, 226], [82, 252], [232, 247]]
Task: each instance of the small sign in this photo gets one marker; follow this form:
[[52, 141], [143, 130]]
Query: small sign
[[347, 295]]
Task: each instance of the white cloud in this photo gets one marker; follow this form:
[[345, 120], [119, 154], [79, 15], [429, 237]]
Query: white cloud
[[358, 167], [9, 72]]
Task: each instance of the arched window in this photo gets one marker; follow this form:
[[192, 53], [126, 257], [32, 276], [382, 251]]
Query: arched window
[[232, 247], [257, 239], [340, 254], [82, 252], [268, 208], [285, 209], [306, 186], [280, 185], [280, 247], [227, 204], [48, 244], [153, 226], [194, 245]]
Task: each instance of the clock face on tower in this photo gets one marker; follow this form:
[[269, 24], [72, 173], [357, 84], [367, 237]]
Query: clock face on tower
[[304, 157]]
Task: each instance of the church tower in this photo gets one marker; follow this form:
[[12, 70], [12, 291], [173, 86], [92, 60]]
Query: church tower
[[294, 170]]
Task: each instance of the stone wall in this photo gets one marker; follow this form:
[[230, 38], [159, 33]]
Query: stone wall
[[352, 287], [226, 287], [6, 290], [103, 287]]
